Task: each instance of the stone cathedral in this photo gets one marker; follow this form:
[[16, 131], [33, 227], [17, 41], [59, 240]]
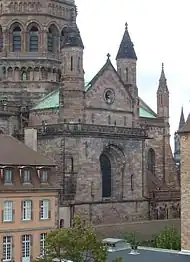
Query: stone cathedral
[[113, 155]]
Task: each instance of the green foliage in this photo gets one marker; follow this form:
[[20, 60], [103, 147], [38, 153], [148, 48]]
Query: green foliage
[[118, 259], [78, 243], [169, 238]]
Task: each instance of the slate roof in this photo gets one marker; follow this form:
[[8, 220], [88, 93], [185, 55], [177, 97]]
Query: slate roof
[[15, 153], [149, 255], [126, 49]]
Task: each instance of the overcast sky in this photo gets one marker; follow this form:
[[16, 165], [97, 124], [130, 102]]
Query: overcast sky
[[160, 31]]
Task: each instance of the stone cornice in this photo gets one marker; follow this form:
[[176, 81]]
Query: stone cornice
[[80, 129]]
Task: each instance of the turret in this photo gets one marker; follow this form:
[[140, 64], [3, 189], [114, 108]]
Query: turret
[[72, 89], [126, 62]]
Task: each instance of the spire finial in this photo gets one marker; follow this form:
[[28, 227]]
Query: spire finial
[[162, 66], [126, 26], [108, 56]]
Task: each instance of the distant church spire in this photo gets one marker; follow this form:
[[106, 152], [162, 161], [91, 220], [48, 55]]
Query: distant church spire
[[126, 49], [163, 81], [182, 119]]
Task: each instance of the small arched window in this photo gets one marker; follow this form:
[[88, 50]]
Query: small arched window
[[71, 63], [132, 182], [151, 161], [16, 44], [61, 223], [23, 76], [33, 39], [92, 118]]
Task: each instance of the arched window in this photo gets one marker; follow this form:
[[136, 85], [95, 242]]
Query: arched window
[[132, 182], [52, 39], [105, 166], [1, 39], [33, 39], [151, 161], [23, 76], [109, 120], [16, 42]]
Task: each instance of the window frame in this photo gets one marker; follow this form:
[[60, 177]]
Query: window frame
[[16, 39], [33, 39], [10, 174], [42, 171], [44, 215], [6, 211], [42, 243], [7, 249], [26, 246], [26, 211], [23, 175]]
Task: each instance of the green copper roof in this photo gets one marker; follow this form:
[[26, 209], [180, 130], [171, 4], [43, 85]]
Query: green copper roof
[[52, 101], [49, 101]]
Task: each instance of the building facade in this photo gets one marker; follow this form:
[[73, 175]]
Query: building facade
[[28, 201], [184, 134], [112, 150]]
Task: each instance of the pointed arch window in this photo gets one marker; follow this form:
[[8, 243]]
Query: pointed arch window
[[79, 64], [151, 161], [16, 41], [71, 63], [109, 120], [33, 39], [105, 166]]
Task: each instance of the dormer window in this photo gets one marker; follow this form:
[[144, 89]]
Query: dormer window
[[7, 176], [26, 176], [43, 176]]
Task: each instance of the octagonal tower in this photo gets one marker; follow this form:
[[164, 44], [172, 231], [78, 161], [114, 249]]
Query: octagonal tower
[[30, 37]]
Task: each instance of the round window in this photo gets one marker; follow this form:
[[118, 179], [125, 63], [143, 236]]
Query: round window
[[109, 96]]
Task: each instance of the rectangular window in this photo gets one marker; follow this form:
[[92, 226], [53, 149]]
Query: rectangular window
[[8, 176], [7, 248], [16, 43], [26, 242], [44, 209], [43, 176], [26, 209], [26, 176], [42, 243], [8, 211]]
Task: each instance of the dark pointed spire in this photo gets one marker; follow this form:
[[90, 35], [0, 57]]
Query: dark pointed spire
[[163, 81], [182, 120], [186, 127], [126, 49]]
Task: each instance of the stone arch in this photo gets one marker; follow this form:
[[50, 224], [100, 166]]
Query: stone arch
[[112, 167], [23, 74], [44, 73], [33, 36], [53, 35]]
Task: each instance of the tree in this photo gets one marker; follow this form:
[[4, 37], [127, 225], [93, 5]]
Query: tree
[[78, 243]]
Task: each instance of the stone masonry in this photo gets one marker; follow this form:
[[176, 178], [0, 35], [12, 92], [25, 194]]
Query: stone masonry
[[113, 155]]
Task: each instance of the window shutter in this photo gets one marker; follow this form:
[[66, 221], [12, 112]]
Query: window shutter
[[40, 208], [2, 215], [21, 210], [31, 210], [13, 213], [49, 209], [12, 239], [31, 240]]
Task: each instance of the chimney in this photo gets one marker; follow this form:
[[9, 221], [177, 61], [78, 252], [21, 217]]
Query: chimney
[[30, 138]]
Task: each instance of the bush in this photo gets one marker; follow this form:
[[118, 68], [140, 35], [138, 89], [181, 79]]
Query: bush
[[169, 238]]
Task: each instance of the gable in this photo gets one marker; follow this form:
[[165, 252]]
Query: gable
[[108, 79]]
